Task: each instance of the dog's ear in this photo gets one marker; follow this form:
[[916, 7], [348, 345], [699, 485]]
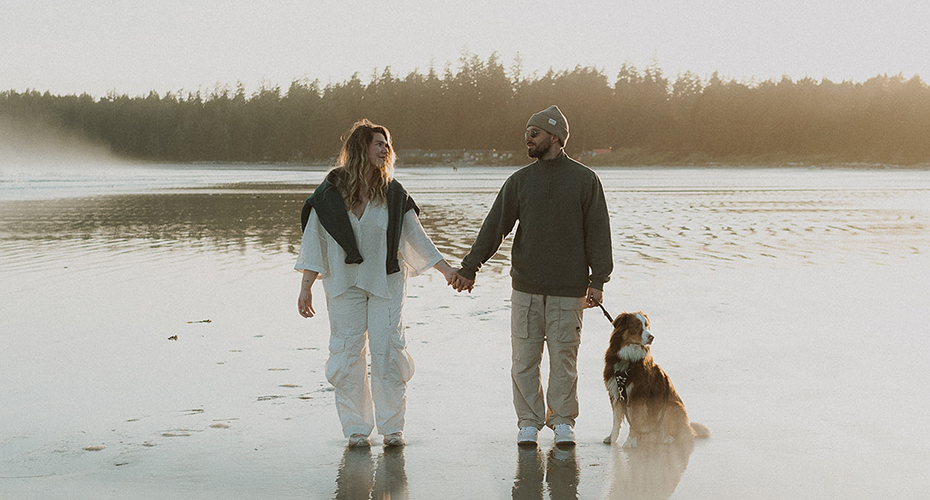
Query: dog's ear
[[620, 319]]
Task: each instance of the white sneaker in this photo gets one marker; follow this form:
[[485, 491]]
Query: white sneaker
[[527, 436], [564, 434]]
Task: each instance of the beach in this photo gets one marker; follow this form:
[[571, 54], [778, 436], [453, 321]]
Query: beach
[[152, 346]]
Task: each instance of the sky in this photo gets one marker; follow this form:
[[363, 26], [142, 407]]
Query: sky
[[127, 47]]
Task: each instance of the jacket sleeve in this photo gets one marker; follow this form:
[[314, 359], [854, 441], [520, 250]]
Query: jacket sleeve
[[305, 214], [597, 236], [497, 225]]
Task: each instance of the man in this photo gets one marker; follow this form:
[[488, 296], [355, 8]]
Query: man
[[560, 261]]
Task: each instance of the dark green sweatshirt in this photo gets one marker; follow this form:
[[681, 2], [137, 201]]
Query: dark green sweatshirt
[[562, 245]]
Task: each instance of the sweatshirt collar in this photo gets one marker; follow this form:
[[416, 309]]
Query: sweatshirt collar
[[553, 162]]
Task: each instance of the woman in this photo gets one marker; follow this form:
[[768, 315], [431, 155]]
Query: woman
[[362, 238]]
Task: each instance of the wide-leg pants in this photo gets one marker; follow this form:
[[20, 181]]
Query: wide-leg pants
[[538, 320], [360, 321]]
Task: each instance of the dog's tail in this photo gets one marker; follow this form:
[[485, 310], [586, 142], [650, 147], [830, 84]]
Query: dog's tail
[[700, 431]]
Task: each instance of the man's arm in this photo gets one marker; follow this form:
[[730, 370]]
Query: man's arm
[[599, 252], [497, 225]]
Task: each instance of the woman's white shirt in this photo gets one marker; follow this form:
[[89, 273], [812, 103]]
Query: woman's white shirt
[[319, 252]]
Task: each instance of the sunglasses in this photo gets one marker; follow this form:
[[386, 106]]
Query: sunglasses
[[533, 133]]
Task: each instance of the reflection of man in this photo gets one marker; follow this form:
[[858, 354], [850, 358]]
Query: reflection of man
[[560, 471], [561, 259]]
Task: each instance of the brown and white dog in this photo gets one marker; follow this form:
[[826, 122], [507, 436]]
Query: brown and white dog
[[641, 391]]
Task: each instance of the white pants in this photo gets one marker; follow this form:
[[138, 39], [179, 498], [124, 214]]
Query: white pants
[[360, 321]]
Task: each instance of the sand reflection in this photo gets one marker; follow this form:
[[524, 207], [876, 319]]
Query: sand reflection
[[362, 476], [232, 220]]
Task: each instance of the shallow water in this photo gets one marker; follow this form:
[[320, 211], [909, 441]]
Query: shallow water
[[789, 308]]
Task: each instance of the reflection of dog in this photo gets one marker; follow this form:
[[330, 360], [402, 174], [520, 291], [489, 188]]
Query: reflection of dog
[[648, 471], [641, 391]]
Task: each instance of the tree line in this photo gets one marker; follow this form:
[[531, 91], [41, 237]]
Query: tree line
[[639, 116]]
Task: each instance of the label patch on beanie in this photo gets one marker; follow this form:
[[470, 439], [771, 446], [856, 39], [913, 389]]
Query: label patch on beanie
[[552, 122]]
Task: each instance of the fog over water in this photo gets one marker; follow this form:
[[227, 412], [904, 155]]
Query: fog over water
[[788, 305], [27, 144]]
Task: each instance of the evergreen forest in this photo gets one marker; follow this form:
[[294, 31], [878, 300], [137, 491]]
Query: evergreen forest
[[637, 117]]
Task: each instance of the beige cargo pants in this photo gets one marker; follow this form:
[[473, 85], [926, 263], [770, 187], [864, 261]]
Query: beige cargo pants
[[555, 322]]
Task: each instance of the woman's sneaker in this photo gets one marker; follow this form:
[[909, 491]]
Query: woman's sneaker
[[359, 441], [564, 434], [395, 439], [527, 436]]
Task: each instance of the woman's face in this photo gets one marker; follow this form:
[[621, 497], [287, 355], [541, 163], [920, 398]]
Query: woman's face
[[377, 151]]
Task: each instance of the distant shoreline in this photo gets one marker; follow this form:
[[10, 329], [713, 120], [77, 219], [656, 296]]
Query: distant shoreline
[[318, 166]]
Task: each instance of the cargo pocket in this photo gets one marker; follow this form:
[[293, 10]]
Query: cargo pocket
[[520, 314], [571, 313], [404, 363], [337, 364]]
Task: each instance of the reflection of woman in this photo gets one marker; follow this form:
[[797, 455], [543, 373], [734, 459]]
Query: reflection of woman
[[362, 238], [354, 479]]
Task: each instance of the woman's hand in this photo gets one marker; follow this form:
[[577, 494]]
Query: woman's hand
[[448, 272], [305, 303], [305, 300]]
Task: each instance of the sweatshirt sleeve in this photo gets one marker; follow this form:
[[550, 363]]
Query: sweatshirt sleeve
[[597, 236], [497, 225]]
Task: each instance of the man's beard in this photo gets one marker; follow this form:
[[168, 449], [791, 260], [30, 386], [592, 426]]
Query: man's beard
[[539, 151]]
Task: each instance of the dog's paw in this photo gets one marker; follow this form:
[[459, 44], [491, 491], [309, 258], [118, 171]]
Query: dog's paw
[[607, 440], [630, 443]]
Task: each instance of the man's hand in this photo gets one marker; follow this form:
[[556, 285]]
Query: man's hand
[[593, 298]]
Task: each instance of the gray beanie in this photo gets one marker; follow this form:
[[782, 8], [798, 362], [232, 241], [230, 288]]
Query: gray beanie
[[553, 121]]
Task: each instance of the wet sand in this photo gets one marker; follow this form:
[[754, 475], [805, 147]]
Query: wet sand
[[792, 322]]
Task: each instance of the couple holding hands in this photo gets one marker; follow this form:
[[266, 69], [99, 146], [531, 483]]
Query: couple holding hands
[[362, 238]]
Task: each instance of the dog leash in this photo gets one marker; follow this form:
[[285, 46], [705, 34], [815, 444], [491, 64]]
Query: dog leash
[[609, 317]]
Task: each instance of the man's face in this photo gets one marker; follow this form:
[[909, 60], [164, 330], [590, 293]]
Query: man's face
[[539, 142]]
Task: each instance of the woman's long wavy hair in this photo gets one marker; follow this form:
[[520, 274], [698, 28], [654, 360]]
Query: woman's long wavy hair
[[353, 165]]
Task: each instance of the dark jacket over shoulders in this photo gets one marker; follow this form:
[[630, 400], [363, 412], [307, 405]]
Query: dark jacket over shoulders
[[331, 209]]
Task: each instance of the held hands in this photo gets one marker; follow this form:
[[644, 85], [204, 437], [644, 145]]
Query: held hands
[[448, 272], [460, 283], [453, 278]]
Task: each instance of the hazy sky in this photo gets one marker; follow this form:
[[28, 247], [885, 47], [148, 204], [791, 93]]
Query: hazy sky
[[75, 46]]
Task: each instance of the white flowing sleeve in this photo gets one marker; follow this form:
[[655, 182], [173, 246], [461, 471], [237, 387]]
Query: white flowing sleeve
[[416, 249], [312, 254]]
